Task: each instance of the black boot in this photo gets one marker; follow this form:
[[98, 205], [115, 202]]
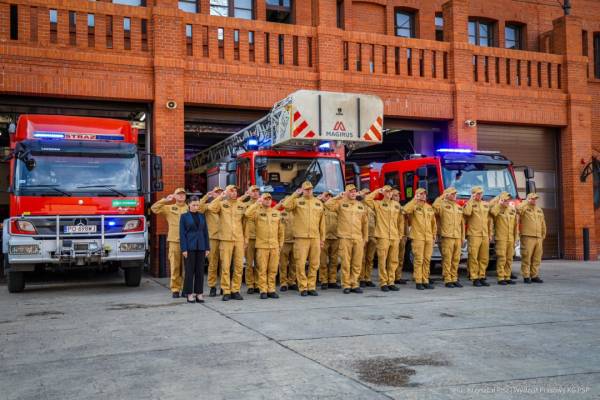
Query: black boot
[[334, 286], [346, 290], [477, 283], [449, 285], [428, 286], [250, 291], [226, 297], [237, 296], [363, 283], [357, 290], [263, 296], [483, 282], [537, 280], [513, 276], [304, 293], [370, 284], [503, 283], [393, 288], [457, 284], [293, 287], [283, 288], [213, 292], [420, 286], [384, 288], [400, 282], [313, 293], [324, 286], [527, 280], [511, 282], [273, 295]]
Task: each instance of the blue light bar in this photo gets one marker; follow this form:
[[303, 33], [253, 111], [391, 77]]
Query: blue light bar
[[48, 135], [252, 142], [325, 146], [111, 223], [454, 150]]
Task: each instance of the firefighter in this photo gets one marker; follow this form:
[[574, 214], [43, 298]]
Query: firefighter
[[309, 236], [251, 274], [370, 247], [269, 237], [423, 230], [172, 207], [402, 244], [452, 233], [231, 210], [287, 267], [352, 231], [479, 234], [533, 233], [212, 220], [506, 234], [389, 225], [329, 253]]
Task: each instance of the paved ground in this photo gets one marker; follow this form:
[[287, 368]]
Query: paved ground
[[97, 339]]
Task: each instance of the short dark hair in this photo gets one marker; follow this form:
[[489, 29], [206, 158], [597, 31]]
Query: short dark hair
[[193, 198]]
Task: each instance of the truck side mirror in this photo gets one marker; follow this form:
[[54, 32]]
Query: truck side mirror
[[530, 186], [156, 174], [422, 173], [529, 173]]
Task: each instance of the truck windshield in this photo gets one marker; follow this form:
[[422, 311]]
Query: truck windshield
[[493, 178], [282, 176], [66, 175]]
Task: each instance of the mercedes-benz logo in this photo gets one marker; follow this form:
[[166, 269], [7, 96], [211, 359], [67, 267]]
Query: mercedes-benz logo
[[80, 222]]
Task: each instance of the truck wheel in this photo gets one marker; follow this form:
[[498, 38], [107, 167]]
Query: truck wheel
[[15, 281], [133, 276]]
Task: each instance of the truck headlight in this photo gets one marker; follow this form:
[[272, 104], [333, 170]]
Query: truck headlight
[[126, 247], [24, 249], [133, 225]]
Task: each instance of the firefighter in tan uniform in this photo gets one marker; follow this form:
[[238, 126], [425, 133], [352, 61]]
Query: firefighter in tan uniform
[[329, 252], [506, 234], [287, 267], [172, 207], [251, 273], [269, 236], [366, 273], [423, 230], [403, 236], [212, 220], [389, 223], [479, 232], [452, 232], [533, 233], [352, 231], [231, 210], [309, 236]]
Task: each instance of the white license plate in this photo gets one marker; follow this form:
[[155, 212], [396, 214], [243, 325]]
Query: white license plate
[[80, 229]]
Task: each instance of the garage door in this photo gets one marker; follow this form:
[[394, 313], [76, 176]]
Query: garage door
[[534, 147]]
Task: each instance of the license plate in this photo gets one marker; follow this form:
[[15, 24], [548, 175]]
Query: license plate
[[80, 229]]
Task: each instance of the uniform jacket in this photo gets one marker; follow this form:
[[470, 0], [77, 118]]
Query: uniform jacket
[[352, 218], [250, 233], [287, 219], [172, 212], [506, 226], [422, 221], [268, 228], [477, 217], [212, 219], [192, 236], [450, 216], [231, 215], [389, 217], [331, 220], [309, 221], [532, 220]]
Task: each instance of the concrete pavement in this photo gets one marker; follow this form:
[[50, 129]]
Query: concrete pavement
[[97, 339]]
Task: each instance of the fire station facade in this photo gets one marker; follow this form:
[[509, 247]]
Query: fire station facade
[[518, 77]]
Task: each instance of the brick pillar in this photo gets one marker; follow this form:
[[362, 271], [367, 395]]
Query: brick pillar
[[575, 141], [168, 134], [460, 73], [329, 48]]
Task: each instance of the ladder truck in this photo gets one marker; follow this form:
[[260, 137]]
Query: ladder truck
[[302, 138]]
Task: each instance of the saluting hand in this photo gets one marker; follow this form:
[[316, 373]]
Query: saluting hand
[[299, 191], [171, 197]]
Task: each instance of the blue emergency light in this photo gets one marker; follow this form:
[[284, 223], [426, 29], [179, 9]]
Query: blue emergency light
[[325, 146], [49, 135], [454, 150]]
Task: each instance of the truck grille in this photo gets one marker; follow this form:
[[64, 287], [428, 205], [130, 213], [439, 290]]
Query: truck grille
[[80, 246]]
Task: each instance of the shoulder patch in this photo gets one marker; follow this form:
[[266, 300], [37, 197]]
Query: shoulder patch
[[318, 204], [274, 215], [174, 208], [361, 208], [448, 207], [301, 203], [263, 214], [397, 207], [225, 205], [384, 204]]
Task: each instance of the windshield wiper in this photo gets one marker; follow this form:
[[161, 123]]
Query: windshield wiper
[[53, 187], [109, 187]]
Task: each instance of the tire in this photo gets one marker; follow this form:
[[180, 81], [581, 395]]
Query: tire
[[15, 281], [133, 276]]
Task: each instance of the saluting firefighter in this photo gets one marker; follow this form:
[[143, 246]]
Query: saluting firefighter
[[423, 230], [251, 274], [506, 234], [309, 236], [452, 233], [479, 235], [370, 247], [352, 231], [330, 250], [231, 210], [171, 208], [287, 267], [389, 223], [269, 237], [212, 221], [402, 244], [533, 233]]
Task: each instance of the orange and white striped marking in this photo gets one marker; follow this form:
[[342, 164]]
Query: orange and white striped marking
[[300, 127], [374, 131]]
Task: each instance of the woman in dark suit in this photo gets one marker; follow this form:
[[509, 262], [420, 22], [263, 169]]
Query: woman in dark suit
[[194, 241]]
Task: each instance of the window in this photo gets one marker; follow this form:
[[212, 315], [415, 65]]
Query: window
[[340, 14], [439, 27], [189, 39], [91, 23], [130, 2], [190, 6], [127, 33], [409, 182], [405, 24], [513, 37], [109, 31], [72, 28], [481, 33], [597, 55], [584, 43], [14, 22], [433, 186], [392, 179], [232, 8], [279, 11], [53, 26], [144, 35]]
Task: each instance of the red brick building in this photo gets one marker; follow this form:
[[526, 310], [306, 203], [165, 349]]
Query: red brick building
[[527, 74]]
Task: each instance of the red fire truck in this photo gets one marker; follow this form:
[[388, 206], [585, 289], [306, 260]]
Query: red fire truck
[[76, 197], [302, 138]]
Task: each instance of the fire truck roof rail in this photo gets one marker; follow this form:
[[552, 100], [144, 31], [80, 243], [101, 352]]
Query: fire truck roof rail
[[302, 121]]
